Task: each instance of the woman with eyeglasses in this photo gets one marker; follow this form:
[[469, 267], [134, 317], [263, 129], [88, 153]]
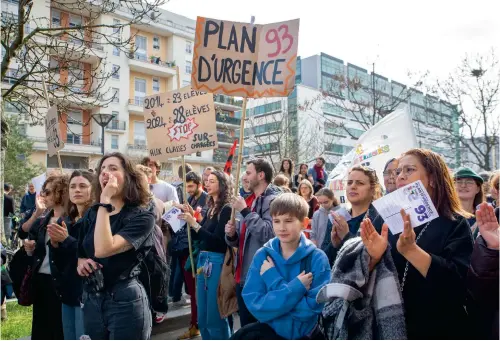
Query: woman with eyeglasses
[[431, 259], [117, 235], [306, 191], [390, 175], [64, 247], [213, 247], [47, 310], [363, 187], [469, 186]]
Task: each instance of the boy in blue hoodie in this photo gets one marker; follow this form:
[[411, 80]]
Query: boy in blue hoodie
[[285, 276]]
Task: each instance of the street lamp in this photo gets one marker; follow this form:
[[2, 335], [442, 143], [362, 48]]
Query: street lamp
[[103, 120]]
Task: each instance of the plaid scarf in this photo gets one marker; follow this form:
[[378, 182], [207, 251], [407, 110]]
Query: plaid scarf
[[360, 304]]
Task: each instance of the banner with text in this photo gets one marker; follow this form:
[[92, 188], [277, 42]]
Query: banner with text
[[389, 138], [246, 60], [179, 122], [52, 131]]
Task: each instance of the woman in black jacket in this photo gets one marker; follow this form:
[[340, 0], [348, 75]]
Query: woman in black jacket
[[116, 234], [47, 320], [431, 259], [482, 278], [64, 247]]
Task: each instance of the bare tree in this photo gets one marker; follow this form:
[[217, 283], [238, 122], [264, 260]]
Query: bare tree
[[52, 50], [475, 87], [277, 136], [362, 97]]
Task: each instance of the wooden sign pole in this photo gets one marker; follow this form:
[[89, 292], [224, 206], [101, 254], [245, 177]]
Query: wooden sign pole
[[240, 154], [48, 107], [183, 159]]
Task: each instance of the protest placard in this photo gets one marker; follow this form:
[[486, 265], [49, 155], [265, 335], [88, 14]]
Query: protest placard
[[416, 202], [179, 122], [243, 59], [52, 131], [171, 217]]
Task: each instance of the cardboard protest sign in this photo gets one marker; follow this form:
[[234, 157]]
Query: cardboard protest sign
[[246, 60], [52, 132], [179, 122]]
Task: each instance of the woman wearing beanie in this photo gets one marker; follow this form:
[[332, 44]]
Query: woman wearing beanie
[[469, 186]]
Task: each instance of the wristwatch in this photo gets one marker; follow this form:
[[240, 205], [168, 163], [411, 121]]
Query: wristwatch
[[110, 208], [196, 227]]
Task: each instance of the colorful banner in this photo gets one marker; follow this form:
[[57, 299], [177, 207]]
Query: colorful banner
[[52, 132], [179, 122], [245, 60], [389, 138]]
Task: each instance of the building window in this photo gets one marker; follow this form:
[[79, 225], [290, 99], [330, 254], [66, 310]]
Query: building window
[[114, 141], [141, 46], [189, 47], [156, 84], [156, 43], [116, 29], [188, 66], [139, 133], [186, 83], [116, 95], [56, 18], [116, 51], [140, 91], [115, 71]]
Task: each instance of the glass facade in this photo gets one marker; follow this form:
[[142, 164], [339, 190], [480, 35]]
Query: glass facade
[[263, 109]]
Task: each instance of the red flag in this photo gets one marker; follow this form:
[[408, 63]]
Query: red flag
[[229, 163]]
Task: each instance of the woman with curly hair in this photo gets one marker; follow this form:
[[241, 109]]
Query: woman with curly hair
[[287, 170], [211, 233], [116, 236], [47, 310]]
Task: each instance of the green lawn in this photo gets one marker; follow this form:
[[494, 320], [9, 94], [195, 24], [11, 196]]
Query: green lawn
[[18, 323]]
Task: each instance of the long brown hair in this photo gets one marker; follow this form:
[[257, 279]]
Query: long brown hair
[[290, 169], [135, 190], [71, 207], [372, 177], [444, 195], [225, 193]]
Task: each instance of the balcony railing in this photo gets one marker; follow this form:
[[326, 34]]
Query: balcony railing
[[155, 60], [78, 140], [227, 119], [227, 100], [226, 138], [137, 100], [137, 146], [117, 125], [94, 43]]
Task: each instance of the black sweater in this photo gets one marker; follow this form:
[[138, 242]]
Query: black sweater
[[66, 260], [212, 231], [434, 305]]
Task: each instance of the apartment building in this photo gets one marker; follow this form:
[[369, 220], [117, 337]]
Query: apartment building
[[150, 67], [325, 127]]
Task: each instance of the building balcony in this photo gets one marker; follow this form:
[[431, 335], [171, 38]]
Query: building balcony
[[73, 144], [227, 103], [224, 139], [136, 105], [140, 63], [137, 150], [223, 120], [117, 126]]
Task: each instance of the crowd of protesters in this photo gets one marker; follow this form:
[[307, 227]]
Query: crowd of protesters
[[92, 242]]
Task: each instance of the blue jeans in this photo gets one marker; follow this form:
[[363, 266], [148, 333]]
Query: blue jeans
[[72, 320], [210, 323], [119, 313], [176, 278]]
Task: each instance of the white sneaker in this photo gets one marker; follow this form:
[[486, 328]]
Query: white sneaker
[[180, 303]]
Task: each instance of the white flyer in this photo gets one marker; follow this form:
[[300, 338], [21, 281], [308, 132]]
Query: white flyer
[[171, 217], [414, 199]]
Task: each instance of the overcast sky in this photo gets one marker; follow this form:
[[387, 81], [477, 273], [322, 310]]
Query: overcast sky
[[399, 36]]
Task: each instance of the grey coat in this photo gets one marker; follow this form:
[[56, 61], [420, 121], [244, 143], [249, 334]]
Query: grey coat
[[319, 224], [259, 227], [362, 305]]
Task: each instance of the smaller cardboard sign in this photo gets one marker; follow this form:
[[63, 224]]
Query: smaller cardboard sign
[[414, 199], [52, 131], [179, 122], [38, 182]]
